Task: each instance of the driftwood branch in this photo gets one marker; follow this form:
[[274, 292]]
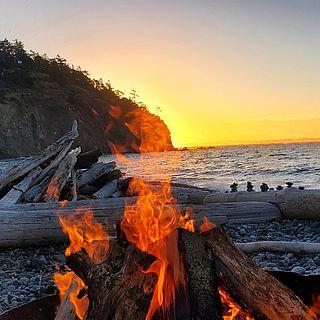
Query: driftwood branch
[[61, 175], [74, 185], [279, 246]]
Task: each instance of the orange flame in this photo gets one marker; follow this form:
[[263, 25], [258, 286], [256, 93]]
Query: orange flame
[[69, 283], [315, 308], [154, 216], [206, 225], [83, 232], [233, 310]]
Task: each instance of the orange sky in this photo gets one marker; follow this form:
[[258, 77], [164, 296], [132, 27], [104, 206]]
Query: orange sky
[[222, 72]]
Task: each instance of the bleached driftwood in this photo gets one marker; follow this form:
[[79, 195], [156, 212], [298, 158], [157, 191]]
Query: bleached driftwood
[[107, 190], [15, 193], [52, 165], [35, 193], [293, 203], [24, 166], [61, 175], [279, 246], [36, 224], [94, 172], [74, 185]]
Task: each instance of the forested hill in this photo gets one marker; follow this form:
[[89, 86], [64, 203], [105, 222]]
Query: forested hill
[[40, 97]]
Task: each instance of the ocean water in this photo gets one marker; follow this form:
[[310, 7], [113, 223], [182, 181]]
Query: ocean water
[[217, 168]]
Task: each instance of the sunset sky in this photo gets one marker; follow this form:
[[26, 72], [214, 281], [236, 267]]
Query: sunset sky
[[222, 72]]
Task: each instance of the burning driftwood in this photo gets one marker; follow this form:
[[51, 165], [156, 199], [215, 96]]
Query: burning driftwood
[[118, 288], [252, 287], [121, 288]]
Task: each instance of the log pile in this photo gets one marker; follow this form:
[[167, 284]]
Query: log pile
[[211, 264], [60, 173]]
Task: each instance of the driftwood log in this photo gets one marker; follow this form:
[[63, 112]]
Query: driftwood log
[[253, 288], [292, 202], [279, 246], [17, 191], [37, 224], [88, 158], [96, 171]]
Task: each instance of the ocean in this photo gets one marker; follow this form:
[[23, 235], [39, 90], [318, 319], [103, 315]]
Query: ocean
[[217, 168]]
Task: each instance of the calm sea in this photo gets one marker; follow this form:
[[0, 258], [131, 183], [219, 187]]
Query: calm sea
[[219, 167]]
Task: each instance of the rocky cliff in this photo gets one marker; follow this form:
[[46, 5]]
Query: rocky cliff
[[40, 97]]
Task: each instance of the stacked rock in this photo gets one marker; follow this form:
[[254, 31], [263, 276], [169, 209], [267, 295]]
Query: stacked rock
[[234, 187], [249, 186], [264, 187]]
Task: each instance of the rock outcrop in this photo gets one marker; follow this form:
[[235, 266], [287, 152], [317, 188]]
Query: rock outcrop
[[40, 97]]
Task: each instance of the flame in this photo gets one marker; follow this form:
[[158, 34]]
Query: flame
[[206, 225], [70, 282], [83, 232], [154, 216], [315, 308], [233, 310]]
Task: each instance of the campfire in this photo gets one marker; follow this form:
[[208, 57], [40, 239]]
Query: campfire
[[164, 265]]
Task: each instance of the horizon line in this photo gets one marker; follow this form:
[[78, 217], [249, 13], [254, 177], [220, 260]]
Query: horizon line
[[254, 142]]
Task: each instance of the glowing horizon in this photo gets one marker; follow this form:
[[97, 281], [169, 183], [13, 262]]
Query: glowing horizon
[[222, 72]]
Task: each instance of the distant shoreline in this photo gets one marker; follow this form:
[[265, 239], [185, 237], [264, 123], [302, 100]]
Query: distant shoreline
[[255, 143]]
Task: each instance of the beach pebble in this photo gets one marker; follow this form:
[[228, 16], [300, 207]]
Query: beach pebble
[[298, 269]]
